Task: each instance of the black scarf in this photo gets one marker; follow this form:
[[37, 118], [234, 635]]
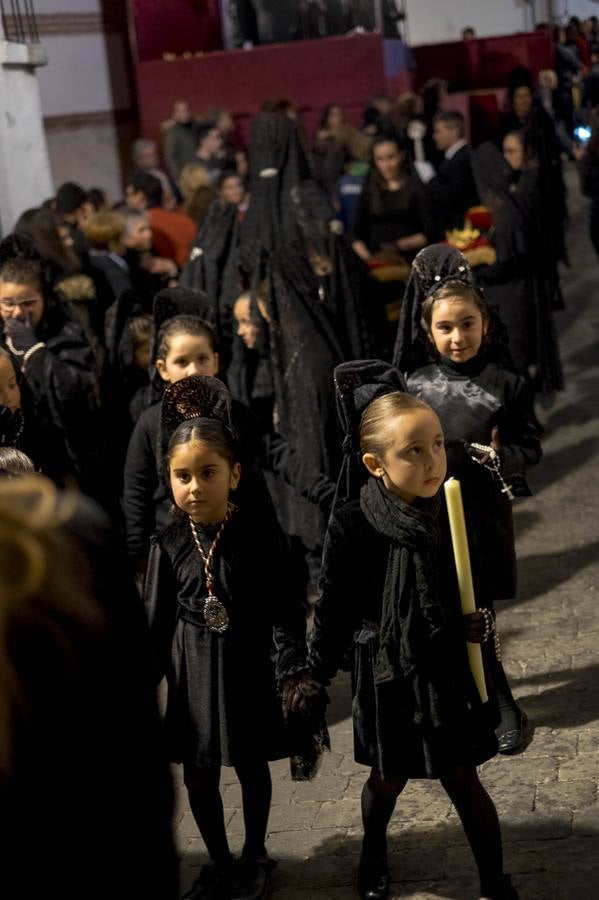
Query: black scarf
[[412, 612]]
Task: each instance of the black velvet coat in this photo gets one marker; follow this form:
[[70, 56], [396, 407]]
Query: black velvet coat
[[223, 707], [470, 400], [348, 612]]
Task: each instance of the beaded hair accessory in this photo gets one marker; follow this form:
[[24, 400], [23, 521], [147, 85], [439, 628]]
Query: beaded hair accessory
[[195, 397]]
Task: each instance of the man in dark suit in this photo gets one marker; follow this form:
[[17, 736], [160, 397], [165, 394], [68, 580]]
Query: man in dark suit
[[451, 191]]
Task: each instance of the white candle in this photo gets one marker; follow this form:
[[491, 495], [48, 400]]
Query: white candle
[[459, 539]]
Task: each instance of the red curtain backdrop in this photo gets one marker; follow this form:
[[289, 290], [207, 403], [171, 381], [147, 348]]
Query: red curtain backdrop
[[174, 26], [485, 63]]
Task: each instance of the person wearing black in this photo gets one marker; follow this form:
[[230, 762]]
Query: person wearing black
[[43, 333], [73, 207], [522, 281], [451, 347], [391, 215], [81, 728], [228, 630], [451, 191], [541, 143], [416, 710]]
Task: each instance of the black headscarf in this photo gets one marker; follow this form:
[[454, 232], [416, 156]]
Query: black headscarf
[[167, 304], [206, 270], [278, 163], [342, 292], [357, 384], [431, 268], [304, 351]]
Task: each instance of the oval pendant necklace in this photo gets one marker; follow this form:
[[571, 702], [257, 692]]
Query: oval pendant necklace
[[215, 612]]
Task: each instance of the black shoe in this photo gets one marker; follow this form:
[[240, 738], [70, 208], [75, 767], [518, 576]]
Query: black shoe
[[373, 879], [501, 890], [252, 878], [514, 740], [214, 883]]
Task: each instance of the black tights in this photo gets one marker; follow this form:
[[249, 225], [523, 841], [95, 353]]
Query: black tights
[[474, 806], [203, 788]]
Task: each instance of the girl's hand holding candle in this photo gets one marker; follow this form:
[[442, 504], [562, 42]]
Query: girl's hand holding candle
[[457, 523]]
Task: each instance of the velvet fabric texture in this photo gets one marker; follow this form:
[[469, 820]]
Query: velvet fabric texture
[[411, 613]]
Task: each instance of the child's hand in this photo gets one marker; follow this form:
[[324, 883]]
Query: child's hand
[[298, 694], [474, 625]]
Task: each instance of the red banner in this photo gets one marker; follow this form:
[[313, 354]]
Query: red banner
[[174, 26]]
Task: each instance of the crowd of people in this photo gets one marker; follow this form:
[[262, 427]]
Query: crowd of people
[[263, 368]]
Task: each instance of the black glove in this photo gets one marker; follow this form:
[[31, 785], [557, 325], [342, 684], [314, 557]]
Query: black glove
[[299, 693], [21, 334]]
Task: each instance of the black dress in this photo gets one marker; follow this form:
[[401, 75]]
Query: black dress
[[348, 612], [471, 399], [222, 706], [402, 213]]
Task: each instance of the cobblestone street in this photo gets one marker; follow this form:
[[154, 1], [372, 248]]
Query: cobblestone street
[[547, 796]]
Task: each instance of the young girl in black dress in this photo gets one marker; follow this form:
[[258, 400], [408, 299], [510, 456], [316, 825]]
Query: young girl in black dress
[[415, 708], [480, 403], [215, 621]]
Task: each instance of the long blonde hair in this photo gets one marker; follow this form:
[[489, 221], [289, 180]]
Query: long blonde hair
[[43, 581]]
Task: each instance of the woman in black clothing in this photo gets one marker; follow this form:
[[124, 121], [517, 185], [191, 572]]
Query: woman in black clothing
[[391, 215], [42, 332], [523, 279]]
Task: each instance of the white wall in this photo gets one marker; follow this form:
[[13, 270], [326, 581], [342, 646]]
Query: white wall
[[584, 9], [78, 78], [439, 21]]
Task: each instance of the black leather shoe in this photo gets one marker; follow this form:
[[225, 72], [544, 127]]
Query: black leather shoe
[[252, 878], [515, 739], [214, 882], [373, 879]]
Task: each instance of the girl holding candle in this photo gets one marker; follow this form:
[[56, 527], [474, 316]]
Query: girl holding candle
[[486, 413], [416, 709]]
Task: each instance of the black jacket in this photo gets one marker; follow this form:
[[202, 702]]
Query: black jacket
[[470, 401], [452, 192], [62, 378]]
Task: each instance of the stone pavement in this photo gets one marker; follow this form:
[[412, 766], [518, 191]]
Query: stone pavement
[[547, 797]]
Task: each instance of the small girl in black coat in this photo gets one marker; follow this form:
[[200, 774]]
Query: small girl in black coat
[[386, 581], [479, 402], [186, 347], [217, 596]]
